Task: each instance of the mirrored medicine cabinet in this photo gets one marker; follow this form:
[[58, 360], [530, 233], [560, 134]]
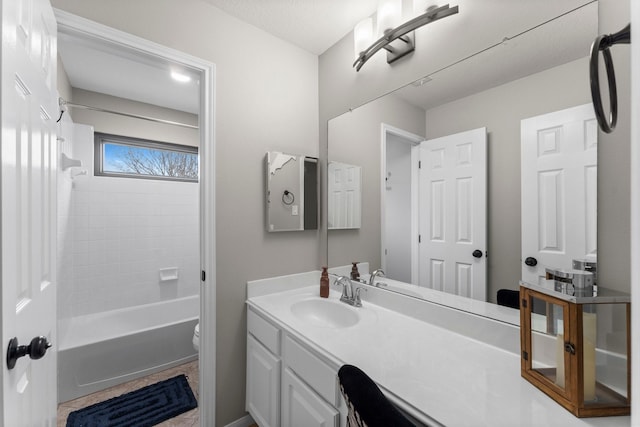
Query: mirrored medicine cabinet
[[291, 192]]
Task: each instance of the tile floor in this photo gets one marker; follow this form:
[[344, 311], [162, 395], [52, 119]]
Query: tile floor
[[187, 419]]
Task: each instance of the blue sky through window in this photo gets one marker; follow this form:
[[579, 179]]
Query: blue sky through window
[[139, 160]]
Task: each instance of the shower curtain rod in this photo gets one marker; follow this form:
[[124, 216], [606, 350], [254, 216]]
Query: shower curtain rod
[[63, 103]]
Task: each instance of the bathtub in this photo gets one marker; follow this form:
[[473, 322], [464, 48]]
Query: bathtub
[[101, 350]]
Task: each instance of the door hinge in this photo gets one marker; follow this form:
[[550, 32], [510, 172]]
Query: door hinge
[[524, 303], [202, 275], [419, 164], [525, 355], [419, 238]]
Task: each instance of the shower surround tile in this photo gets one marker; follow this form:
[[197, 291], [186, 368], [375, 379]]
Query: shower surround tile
[[118, 233]]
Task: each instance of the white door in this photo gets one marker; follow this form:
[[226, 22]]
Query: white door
[[559, 193], [28, 228], [453, 214], [344, 196]]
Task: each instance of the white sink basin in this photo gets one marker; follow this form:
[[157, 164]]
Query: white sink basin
[[325, 313]]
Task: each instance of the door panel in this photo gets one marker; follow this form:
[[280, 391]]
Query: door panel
[[29, 163], [303, 407], [559, 192], [344, 195], [453, 182]]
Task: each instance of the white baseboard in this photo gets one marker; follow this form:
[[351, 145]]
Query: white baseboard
[[245, 421]]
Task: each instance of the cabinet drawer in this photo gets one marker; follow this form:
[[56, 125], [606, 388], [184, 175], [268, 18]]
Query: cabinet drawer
[[264, 332], [312, 370]]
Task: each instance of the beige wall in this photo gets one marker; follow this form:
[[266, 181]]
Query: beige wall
[[500, 110], [342, 88], [355, 140], [64, 88], [614, 167], [135, 128], [266, 99]]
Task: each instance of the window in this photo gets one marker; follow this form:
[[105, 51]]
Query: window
[[127, 157]]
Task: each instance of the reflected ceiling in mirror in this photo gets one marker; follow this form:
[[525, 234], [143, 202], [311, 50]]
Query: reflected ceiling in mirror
[[541, 70]]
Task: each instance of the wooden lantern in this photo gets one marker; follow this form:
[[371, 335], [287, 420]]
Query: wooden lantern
[[576, 346]]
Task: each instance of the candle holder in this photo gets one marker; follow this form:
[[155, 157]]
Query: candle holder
[[576, 345]]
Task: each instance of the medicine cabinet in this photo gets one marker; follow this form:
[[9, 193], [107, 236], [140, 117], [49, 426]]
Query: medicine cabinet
[[291, 192]]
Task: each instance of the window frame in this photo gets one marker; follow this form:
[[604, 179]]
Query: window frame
[[100, 139]]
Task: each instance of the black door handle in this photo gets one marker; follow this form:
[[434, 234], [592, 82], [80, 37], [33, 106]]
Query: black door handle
[[477, 253], [531, 261], [36, 350]]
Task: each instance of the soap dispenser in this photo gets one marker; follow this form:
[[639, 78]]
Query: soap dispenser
[[355, 274], [324, 283]]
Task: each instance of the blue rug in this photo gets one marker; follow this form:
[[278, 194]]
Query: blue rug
[[147, 406]]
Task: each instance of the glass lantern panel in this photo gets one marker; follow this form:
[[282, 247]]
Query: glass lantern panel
[[605, 350], [547, 340]]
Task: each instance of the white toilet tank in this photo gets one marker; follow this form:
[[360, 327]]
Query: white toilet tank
[[196, 337]]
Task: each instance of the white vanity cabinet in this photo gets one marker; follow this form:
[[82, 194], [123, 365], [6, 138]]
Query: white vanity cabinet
[[287, 384], [263, 371]]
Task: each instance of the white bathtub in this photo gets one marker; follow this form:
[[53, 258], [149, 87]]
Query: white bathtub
[[105, 349]]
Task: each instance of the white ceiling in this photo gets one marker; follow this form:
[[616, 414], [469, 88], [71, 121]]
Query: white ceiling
[[562, 40], [314, 25], [97, 66]]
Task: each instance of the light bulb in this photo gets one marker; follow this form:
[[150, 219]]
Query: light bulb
[[362, 36], [389, 15]]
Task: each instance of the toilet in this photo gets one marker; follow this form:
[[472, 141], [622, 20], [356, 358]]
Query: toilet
[[196, 337]]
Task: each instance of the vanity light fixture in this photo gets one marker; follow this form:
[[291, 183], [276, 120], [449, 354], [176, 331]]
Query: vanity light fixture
[[402, 32]]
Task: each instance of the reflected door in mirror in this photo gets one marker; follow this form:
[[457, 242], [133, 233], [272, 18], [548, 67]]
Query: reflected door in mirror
[[344, 191], [453, 212], [559, 192]]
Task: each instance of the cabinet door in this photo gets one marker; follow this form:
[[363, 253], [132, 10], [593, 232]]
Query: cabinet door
[[263, 384], [303, 407]]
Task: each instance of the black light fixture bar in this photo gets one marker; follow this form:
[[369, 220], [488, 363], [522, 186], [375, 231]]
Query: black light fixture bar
[[402, 32]]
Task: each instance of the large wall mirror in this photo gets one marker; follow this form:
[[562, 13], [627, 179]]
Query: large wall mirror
[[471, 114]]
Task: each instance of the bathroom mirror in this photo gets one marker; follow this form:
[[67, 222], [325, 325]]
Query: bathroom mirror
[[291, 192], [542, 70]]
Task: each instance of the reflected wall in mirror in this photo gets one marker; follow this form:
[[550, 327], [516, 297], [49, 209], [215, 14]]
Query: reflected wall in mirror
[[543, 70], [292, 192]]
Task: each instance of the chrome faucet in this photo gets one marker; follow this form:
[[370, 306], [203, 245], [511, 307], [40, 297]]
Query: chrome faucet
[[372, 279], [348, 295]]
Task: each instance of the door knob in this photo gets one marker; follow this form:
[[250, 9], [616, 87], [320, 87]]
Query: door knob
[[36, 350], [531, 261], [477, 253]]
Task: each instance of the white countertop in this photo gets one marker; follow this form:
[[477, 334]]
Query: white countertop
[[436, 373]]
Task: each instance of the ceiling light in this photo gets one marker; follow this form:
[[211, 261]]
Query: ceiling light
[[179, 77], [402, 34]]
